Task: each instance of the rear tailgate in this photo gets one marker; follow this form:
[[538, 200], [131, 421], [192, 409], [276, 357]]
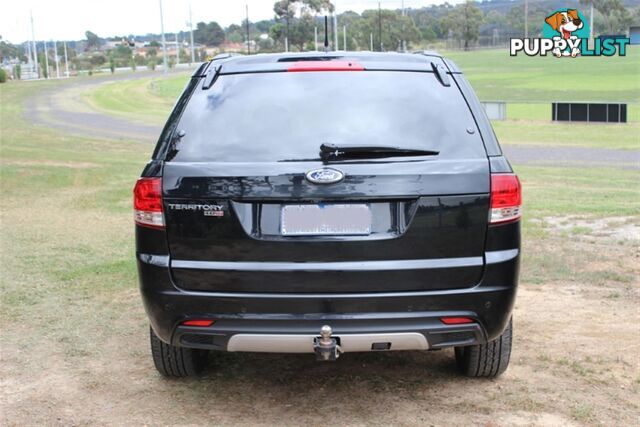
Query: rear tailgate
[[428, 227], [246, 144]]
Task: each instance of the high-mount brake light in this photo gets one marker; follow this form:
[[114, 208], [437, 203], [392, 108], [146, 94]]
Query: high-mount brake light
[[325, 66], [147, 203], [506, 198]]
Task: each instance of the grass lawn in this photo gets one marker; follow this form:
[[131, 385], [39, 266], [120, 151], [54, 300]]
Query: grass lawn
[[496, 76]]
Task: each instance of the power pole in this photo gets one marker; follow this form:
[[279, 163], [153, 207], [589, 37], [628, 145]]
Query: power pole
[[165, 64], [335, 28], [344, 38], [29, 53], [177, 50], [193, 51], [55, 52], [371, 41], [526, 19], [286, 38], [248, 34], [46, 59], [35, 47], [316, 37], [402, 44], [591, 22], [66, 61], [380, 26]]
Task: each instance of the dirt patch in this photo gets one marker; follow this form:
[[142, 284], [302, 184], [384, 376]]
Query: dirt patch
[[617, 228], [92, 365], [53, 163]]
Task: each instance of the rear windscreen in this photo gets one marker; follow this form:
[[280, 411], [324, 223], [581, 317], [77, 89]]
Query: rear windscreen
[[286, 116]]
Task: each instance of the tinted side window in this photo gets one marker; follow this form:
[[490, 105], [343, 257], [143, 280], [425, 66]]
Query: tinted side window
[[281, 116]]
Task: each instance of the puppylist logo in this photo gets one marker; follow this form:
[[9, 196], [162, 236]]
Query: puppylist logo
[[565, 33]]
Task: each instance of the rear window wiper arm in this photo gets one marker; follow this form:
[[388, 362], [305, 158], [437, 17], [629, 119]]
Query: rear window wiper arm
[[336, 152]]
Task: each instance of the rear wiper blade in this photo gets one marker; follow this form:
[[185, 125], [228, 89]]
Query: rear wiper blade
[[335, 152]]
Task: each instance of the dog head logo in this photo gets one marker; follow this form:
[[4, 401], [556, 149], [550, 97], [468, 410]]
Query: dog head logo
[[565, 23], [568, 25]]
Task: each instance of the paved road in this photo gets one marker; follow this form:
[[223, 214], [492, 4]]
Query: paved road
[[61, 107]]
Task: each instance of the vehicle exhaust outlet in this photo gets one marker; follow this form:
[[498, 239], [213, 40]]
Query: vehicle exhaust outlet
[[326, 347]]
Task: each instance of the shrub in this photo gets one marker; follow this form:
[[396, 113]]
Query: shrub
[[3, 75]]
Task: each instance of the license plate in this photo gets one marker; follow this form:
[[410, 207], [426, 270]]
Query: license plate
[[325, 220]]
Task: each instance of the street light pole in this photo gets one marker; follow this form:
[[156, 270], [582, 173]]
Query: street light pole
[[35, 47], [46, 59], [165, 64], [526, 19], [66, 62], [55, 53], [177, 50], [344, 37], [335, 25], [248, 33], [380, 26], [193, 51]]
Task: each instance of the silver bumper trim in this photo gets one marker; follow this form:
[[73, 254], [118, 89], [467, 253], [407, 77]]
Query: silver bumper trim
[[297, 343]]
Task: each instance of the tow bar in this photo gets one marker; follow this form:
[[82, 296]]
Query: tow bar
[[326, 347]]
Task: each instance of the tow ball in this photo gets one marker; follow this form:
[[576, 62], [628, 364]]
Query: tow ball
[[326, 347]]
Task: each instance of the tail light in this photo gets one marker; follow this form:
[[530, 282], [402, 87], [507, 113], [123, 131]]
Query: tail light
[[506, 198], [147, 203], [198, 322], [456, 320]]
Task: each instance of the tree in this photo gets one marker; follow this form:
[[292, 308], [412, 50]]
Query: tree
[[296, 20], [395, 28], [93, 41], [615, 16], [464, 22], [210, 34]]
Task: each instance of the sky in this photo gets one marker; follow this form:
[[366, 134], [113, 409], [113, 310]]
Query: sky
[[69, 19]]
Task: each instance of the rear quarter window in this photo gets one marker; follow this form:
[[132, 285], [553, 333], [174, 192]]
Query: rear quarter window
[[284, 116]]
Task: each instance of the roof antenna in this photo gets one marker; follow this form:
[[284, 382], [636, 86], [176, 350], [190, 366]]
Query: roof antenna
[[326, 34]]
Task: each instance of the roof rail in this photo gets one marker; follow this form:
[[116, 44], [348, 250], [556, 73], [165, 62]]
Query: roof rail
[[427, 53], [225, 55]]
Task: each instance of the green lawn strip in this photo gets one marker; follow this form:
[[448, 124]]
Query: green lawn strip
[[145, 100], [592, 192], [625, 136]]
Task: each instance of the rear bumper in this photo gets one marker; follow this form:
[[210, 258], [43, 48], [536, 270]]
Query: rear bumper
[[293, 315]]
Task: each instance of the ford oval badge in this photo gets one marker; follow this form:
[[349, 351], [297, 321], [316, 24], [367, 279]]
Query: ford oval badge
[[324, 176]]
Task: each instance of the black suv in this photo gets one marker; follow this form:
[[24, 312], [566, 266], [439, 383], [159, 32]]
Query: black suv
[[328, 203]]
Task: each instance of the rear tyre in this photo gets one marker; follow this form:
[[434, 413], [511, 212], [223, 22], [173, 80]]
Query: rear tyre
[[486, 360], [172, 361]]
